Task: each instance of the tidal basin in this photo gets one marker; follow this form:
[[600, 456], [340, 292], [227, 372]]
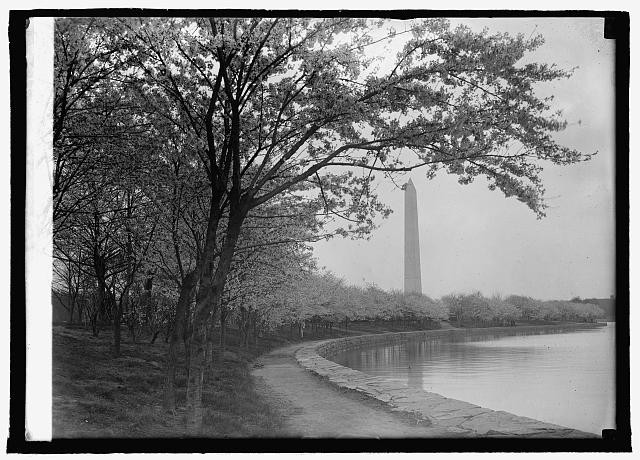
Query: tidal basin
[[561, 377]]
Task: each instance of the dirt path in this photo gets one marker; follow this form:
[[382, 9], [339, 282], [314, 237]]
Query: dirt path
[[314, 408]]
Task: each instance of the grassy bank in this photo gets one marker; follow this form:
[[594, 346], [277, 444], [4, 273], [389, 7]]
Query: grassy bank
[[95, 395]]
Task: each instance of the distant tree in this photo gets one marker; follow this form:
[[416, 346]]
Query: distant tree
[[528, 307], [504, 314], [455, 306], [590, 312], [418, 307]]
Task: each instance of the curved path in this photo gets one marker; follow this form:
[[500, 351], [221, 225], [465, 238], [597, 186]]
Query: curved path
[[314, 408]]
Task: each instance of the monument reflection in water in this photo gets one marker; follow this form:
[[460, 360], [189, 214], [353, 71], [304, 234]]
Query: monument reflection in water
[[566, 378]]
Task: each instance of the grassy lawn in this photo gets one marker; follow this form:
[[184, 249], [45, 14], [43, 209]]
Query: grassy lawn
[[96, 395]]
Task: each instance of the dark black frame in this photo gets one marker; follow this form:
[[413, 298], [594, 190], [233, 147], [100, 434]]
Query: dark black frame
[[616, 27]]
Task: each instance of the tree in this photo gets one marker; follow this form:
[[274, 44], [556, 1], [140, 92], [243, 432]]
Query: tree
[[86, 62], [456, 307], [419, 307], [273, 106], [503, 313], [528, 308]]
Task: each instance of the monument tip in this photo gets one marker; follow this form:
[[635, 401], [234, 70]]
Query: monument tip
[[408, 184]]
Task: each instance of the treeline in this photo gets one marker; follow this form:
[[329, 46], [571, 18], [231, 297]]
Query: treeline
[[327, 299], [298, 301], [478, 310], [324, 300], [306, 299], [608, 305]]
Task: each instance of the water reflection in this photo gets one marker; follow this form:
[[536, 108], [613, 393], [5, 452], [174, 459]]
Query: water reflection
[[564, 377]]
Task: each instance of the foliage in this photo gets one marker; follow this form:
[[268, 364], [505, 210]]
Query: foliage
[[478, 310], [324, 297]]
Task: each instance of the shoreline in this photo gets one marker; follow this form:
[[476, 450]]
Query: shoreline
[[432, 408], [331, 346]]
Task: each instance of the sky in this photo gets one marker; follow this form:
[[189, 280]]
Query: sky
[[473, 239]]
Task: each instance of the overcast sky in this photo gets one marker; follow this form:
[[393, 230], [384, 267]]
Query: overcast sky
[[475, 239]]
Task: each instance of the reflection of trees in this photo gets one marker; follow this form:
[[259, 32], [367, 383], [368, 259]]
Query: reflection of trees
[[419, 359], [416, 356]]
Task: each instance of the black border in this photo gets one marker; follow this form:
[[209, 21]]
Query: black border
[[18, 102], [616, 26]]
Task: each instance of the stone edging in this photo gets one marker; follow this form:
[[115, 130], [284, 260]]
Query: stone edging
[[458, 416]]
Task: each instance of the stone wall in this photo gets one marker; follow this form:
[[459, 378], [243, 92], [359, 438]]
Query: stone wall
[[459, 417]]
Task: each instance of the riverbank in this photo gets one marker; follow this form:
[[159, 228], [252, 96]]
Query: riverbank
[[439, 411], [97, 396]]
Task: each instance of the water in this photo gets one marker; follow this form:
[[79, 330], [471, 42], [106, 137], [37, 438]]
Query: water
[[566, 378]]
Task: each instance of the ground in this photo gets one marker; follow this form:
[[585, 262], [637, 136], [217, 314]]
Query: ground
[[95, 395]]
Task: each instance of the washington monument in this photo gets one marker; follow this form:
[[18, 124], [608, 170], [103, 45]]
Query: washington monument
[[412, 277]]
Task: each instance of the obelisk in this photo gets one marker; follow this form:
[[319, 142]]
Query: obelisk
[[412, 277]]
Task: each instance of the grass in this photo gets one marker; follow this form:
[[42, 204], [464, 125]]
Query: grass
[[97, 396]]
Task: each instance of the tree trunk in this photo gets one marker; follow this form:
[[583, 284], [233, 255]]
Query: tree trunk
[[123, 303], [195, 385], [255, 331], [176, 336], [94, 324], [132, 330], [208, 350], [116, 328], [210, 358], [244, 326], [97, 307], [72, 308], [167, 332], [119, 306], [100, 271], [223, 328], [208, 299], [186, 335], [80, 311]]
